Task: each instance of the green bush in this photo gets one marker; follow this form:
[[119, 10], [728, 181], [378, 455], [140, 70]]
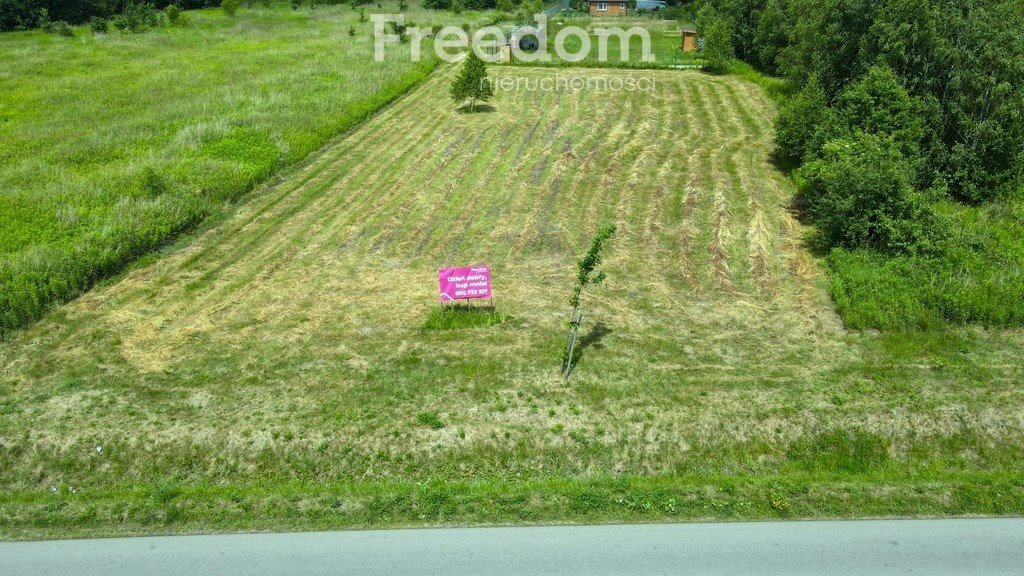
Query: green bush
[[797, 123], [137, 17], [173, 13], [230, 7], [860, 194], [98, 25], [60, 28], [716, 33]]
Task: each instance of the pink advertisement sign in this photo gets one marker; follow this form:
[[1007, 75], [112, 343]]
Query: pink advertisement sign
[[463, 283]]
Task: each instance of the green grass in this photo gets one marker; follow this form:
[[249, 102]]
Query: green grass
[[974, 275], [115, 144], [168, 508], [452, 317], [274, 371], [664, 47]]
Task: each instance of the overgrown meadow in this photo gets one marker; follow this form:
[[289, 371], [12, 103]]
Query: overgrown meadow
[[114, 143]]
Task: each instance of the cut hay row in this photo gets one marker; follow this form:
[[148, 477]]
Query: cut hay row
[[673, 167], [308, 199], [711, 217], [537, 183], [734, 154], [599, 139], [758, 241], [720, 240], [648, 175], [439, 194]]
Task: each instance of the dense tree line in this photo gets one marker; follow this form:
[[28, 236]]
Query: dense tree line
[[24, 14], [895, 102]]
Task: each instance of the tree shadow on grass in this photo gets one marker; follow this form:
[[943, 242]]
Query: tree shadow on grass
[[591, 339], [480, 109]]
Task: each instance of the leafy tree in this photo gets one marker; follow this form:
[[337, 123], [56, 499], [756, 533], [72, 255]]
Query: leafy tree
[[772, 35], [585, 276], [877, 104], [798, 122], [230, 7], [472, 83], [744, 17], [860, 194], [715, 31]]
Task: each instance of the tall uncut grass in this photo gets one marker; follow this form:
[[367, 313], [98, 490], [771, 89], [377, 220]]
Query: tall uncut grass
[[975, 275], [113, 144]]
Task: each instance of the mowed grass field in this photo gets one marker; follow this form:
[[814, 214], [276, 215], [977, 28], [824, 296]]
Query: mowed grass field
[[277, 371], [113, 144]]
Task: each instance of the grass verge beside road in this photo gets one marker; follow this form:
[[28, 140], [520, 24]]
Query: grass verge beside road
[[169, 508]]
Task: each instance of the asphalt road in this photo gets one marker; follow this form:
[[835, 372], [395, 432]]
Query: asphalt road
[[929, 547]]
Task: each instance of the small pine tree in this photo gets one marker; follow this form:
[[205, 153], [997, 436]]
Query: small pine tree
[[472, 83]]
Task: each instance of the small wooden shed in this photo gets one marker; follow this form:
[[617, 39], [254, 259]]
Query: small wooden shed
[[606, 8], [689, 39]]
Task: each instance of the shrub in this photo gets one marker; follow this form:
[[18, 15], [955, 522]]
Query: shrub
[[798, 122], [60, 28], [98, 25], [859, 194], [716, 36], [230, 7], [173, 13], [876, 104], [137, 17]]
